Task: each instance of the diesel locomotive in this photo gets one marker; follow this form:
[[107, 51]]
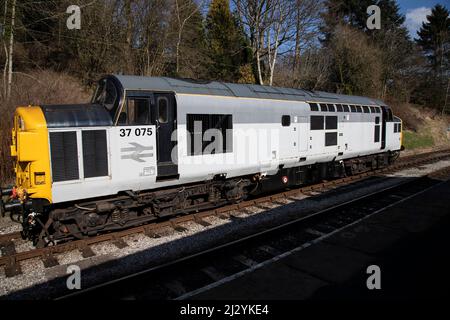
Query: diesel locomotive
[[146, 148]]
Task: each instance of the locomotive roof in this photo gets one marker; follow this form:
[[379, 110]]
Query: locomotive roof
[[216, 88]]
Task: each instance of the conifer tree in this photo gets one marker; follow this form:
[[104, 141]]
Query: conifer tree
[[225, 42], [434, 38]]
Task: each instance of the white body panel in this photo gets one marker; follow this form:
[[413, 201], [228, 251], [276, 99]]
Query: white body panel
[[132, 157]]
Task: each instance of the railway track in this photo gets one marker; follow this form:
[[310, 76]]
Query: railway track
[[191, 275], [10, 259]]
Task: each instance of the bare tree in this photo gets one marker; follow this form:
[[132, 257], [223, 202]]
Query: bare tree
[[269, 25], [151, 28], [279, 30], [252, 15], [313, 74], [184, 10], [129, 35], [307, 19]]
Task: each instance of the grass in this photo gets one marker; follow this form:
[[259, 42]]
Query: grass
[[414, 140]]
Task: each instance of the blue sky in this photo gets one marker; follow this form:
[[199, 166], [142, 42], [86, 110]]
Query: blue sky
[[416, 11]]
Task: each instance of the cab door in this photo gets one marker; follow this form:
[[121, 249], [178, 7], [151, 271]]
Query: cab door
[[166, 124]]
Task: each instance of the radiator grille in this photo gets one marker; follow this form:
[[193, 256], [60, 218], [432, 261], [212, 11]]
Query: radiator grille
[[95, 156], [330, 139], [64, 156]]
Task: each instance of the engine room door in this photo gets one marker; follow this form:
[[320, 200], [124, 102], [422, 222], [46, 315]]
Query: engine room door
[[166, 123], [383, 127], [343, 135], [302, 127]]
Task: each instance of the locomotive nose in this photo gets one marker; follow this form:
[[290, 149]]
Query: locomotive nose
[[30, 149]]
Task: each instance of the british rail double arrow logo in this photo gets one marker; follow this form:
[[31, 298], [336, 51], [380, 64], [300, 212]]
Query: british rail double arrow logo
[[136, 152]]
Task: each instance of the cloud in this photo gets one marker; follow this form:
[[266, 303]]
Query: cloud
[[414, 19]]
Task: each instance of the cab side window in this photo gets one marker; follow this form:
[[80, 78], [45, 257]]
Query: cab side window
[[390, 116], [135, 112], [163, 112]]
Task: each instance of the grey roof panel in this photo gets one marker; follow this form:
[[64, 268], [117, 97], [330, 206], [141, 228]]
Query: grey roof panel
[[239, 90], [217, 85], [294, 92], [76, 115], [142, 83], [187, 86]]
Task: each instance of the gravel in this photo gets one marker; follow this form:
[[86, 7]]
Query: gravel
[[23, 245], [70, 257], [143, 252], [8, 226]]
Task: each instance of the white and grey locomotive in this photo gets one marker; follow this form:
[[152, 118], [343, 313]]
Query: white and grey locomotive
[[149, 147]]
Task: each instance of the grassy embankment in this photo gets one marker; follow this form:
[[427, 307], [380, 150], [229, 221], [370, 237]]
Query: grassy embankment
[[415, 140], [34, 88], [422, 127]]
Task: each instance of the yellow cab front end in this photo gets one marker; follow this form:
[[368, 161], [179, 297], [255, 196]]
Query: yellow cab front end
[[30, 151]]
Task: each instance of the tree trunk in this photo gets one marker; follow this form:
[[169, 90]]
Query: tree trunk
[[273, 53], [274, 60], [182, 24], [297, 41], [258, 58], [11, 48], [129, 38], [177, 48]]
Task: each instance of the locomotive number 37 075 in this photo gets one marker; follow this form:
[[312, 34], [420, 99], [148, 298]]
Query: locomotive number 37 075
[[126, 132]]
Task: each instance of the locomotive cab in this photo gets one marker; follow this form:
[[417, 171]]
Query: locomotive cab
[[143, 112]]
